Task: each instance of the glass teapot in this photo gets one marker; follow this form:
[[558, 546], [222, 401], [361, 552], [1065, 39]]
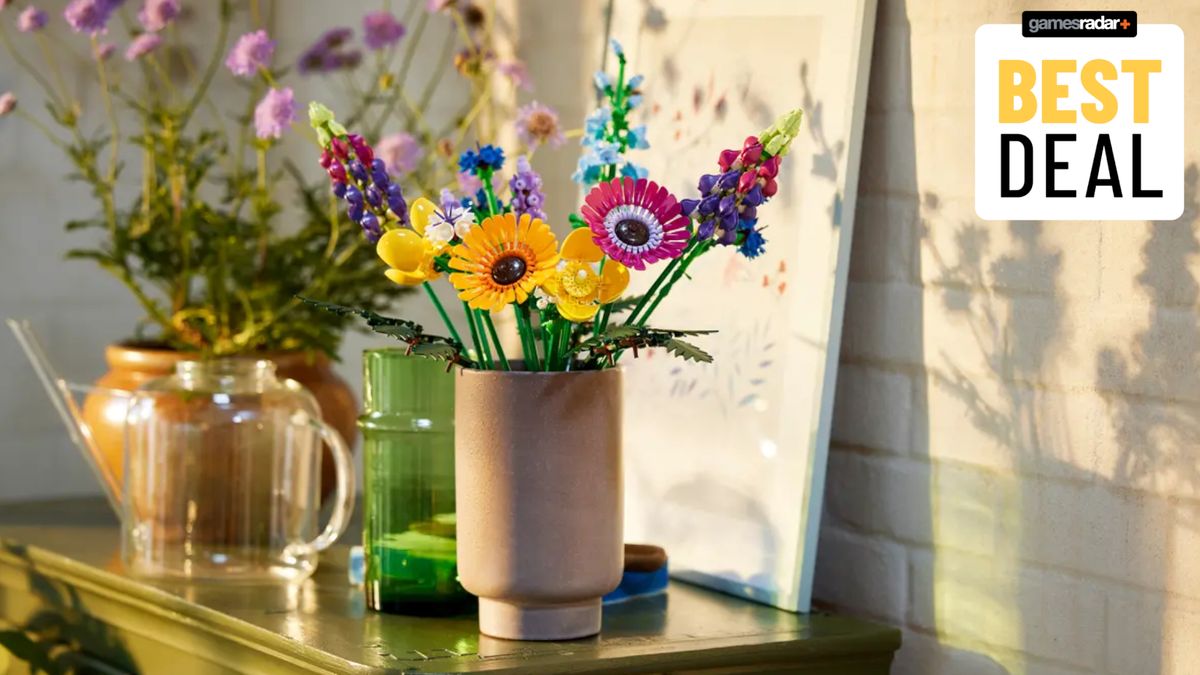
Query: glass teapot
[[222, 477]]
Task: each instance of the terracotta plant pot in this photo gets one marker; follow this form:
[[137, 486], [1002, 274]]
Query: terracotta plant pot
[[130, 366], [539, 495]]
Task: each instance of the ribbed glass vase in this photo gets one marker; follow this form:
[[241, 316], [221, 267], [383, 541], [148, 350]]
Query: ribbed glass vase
[[408, 492]]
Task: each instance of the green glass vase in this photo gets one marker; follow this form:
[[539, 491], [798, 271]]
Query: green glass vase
[[408, 486]]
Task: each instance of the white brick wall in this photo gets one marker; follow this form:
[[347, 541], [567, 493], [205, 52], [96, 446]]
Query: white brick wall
[[1014, 474]]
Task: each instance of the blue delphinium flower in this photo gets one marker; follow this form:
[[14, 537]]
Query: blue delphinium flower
[[596, 123], [631, 170], [467, 161], [753, 245], [617, 48], [602, 81], [635, 138], [490, 157]]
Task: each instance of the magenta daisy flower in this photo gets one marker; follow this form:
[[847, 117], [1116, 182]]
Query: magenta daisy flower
[[636, 222]]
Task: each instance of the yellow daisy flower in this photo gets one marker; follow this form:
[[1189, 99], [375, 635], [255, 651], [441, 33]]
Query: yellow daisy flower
[[578, 289], [502, 259], [409, 255]]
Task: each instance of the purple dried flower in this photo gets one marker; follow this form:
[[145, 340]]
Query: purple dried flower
[[142, 45], [8, 103], [335, 37], [517, 73], [323, 57], [381, 29], [538, 124], [526, 188], [31, 19], [251, 52], [90, 16], [400, 152], [274, 113], [103, 51], [156, 14]]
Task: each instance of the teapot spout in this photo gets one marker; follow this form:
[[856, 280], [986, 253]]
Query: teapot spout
[[60, 393]]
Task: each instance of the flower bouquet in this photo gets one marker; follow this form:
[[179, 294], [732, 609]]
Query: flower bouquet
[[538, 439]]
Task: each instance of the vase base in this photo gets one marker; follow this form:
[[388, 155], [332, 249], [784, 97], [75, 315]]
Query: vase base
[[512, 621]]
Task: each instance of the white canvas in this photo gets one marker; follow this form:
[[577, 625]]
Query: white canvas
[[725, 462]]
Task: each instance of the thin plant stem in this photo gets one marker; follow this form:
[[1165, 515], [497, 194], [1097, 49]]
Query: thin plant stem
[[42, 128], [486, 316], [528, 339], [662, 277], [55, 71], [210, 70], [109, 112], [697, 251], [28, 67], [437, 304], [402, 75], [474, 326]]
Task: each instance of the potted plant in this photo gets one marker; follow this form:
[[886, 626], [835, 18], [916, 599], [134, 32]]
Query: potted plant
[[220, 233], [538, 437]]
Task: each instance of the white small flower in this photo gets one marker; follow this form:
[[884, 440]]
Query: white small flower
[[439, 233], [464, 223], [542, 298]]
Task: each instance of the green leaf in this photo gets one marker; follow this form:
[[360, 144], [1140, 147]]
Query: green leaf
[[435, 350], [577, 221], [621, 305], [687, 351]]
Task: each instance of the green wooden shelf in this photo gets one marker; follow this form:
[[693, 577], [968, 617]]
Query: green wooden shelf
[[60, 562]]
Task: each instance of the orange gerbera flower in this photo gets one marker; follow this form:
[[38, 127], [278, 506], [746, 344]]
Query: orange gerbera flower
[[502, 259]]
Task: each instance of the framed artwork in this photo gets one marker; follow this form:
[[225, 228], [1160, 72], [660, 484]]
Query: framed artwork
[[725, 462]]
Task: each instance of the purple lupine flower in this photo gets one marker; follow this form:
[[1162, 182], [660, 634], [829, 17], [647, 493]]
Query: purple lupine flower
[[8, 103], [728, 205], [537, 124], [156, 14], [90, 16], [142, 45], [251, 52], [400, 152], [381, 29], [274, 113], [31, 20], [395, 200], [526, 188], [103, 50]]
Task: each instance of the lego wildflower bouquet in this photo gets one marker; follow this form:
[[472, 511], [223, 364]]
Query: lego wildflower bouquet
[[219, 233], [497, 251]]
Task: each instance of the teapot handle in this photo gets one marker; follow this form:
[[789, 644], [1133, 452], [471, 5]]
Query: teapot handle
[[344, 492]]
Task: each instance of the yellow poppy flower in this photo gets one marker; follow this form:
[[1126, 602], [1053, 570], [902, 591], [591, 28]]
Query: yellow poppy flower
[[409, 255], [578, 289], [502, 259]]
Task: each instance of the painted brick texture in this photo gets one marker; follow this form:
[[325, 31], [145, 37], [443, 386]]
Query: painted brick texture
[[1013, 477]]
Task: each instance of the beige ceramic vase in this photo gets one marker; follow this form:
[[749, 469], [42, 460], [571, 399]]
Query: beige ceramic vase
[[539, 498]]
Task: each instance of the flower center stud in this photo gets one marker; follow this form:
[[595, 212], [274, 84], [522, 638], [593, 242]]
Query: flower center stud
[[632, 232], [508, 270]]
